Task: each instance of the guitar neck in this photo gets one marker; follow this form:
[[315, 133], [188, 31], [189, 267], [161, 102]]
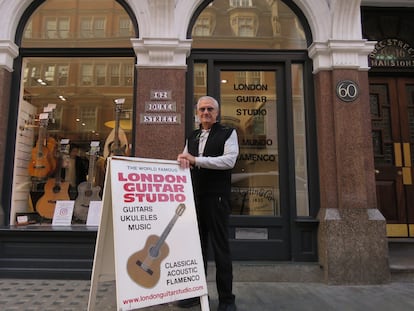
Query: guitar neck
[[179, 211], [91, 169], [117, 142]]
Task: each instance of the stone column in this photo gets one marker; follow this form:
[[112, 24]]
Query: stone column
[[8, 51], [352, 240], [160, 98]]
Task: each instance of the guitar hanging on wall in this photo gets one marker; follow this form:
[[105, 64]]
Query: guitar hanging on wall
[[42, 162], [116, 148], [144, 266], [55, 188], [87, 191]]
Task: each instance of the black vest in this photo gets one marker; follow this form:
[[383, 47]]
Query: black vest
[[208, 180]]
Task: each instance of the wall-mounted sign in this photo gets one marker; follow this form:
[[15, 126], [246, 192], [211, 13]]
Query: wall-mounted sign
[[160, 106], [160, 94], [392, 52], [160, 118], [347, 90]]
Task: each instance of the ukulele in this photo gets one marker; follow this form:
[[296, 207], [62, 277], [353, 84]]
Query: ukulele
[[55, 188], [144, 266], [41, 164], [87, 192], [116, 148]]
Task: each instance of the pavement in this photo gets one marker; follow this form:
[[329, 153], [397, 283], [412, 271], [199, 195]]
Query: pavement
[[302, 294], [72, 295]]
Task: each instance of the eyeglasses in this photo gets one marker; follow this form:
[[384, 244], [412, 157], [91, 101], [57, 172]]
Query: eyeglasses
[[209, 109]]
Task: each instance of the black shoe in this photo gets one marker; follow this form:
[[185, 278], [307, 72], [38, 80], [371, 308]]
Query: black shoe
[[188, 303], [227, 307]]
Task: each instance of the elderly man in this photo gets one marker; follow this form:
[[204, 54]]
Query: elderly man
[[211, 151]]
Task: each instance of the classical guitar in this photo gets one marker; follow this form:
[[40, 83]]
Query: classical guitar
[[55, 188], [144, 266], [87, 191], [116, 148], [41, 164]]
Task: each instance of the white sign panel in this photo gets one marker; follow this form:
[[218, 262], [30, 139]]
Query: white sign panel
[[156, 241], [63, 213]]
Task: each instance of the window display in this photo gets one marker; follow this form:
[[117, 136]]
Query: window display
[[74, 111]]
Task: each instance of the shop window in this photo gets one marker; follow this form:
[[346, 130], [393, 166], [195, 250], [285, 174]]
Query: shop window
[[251, 103], [67, 107]]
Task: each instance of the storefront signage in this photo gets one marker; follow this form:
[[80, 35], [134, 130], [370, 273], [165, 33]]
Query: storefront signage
[[158, 109], [159, 106], [392, 52], [154, 118], [148, 235], [160, 94], [347, 90]]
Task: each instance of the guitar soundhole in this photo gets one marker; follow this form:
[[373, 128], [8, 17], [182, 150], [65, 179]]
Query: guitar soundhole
[[88, 193], [56, 189], [154, 252]]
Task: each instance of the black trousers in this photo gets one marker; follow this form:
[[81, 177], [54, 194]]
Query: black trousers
[[213, 212]]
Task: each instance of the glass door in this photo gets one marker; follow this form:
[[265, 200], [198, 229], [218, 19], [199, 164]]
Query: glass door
[[251, 101]]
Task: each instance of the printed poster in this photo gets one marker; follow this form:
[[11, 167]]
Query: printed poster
[[156, 241]]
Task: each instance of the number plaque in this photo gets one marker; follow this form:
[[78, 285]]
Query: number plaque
[[347, 90]]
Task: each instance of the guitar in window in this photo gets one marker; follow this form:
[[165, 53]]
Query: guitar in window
[[87, 191], [116, 148], [42, 162], [55, 188]]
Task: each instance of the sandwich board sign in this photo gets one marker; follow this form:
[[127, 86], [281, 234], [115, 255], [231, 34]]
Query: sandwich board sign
[[148, 240]]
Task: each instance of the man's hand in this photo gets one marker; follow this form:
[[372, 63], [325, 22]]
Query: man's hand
[[186, 160]]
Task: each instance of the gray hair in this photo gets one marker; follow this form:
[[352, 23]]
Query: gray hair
[[211, 99]]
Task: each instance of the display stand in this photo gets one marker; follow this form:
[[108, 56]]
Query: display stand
[[148, 240]]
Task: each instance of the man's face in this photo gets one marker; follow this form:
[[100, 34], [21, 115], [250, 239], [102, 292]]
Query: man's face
[[207, 113]]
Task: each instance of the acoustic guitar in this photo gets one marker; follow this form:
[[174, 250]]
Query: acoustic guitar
[[41, 164], [55, 188], [144, 266], [87, 192]]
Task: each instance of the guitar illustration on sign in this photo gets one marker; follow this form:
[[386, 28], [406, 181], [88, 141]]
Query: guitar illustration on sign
[[55, 188], [144, 266], [41, 164], [87, 191]]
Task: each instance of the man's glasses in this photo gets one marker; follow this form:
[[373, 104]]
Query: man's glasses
[[209, 109]]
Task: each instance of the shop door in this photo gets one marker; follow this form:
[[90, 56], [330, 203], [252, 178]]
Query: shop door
[[392, 116], [252, 102]]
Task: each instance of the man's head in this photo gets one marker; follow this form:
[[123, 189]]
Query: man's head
[[207, 111]]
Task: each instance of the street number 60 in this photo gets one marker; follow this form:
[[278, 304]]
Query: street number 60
[[347, 90]]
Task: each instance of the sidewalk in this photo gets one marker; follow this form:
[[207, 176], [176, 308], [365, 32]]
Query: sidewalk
[[62, 295]]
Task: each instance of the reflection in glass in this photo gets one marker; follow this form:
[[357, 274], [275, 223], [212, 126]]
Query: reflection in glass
[[246, 24], [58, 23], [301, 171], [248, 103]]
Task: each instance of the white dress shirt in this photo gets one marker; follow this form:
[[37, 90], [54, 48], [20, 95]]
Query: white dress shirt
[[223, 162]]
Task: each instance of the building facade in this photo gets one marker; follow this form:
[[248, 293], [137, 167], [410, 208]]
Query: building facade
[[320, 93]]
